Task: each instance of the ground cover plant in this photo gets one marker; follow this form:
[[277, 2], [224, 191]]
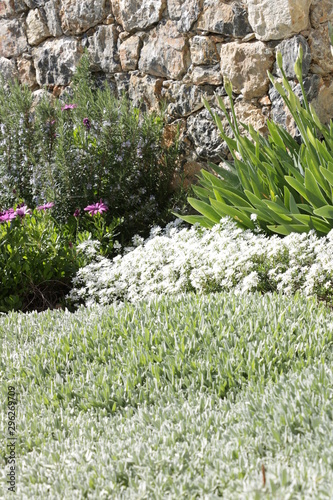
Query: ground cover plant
[[86, 146], [179, 397], [224, 258], [286, 186]]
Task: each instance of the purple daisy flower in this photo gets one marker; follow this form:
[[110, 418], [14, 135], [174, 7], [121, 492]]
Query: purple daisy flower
[[46, 206], [22, 211], [68, 106], [96, 208]]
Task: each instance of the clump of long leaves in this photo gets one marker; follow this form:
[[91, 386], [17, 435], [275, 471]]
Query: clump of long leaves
[[282, 185]]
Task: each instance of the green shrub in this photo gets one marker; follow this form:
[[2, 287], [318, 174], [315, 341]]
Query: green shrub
[[87, 146], [282, 185]]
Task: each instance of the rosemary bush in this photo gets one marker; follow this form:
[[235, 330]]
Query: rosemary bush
[[87, 146]]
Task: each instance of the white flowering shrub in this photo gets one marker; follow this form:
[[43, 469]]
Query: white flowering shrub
[[178, 260]]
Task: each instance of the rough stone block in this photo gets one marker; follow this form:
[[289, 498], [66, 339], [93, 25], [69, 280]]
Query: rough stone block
[[12, 38], [201, 75], [229, 19], [78, 16], [136, 15], [145, 92], [321, 11], [203, 51], [9, 8], [289, 50], [129, 52], [246, 65], [185, 12], [322, 60], [8, 69], [37, 29], [52, 10], [27, 72], [165, 53], [102, 47], [55, 61], [278, 19]]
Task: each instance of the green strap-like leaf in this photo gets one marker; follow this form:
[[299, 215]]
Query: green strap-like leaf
[[205, 209], [233, 212], [325, 211]]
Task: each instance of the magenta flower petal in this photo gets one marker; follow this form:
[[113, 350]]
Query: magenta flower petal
[[96, 208], [22, 211], [46, 206]]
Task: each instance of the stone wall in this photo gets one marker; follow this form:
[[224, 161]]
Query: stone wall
[[177, 50]]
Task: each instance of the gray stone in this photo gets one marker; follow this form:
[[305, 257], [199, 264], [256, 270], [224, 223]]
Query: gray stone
[[9, 8], [225, 19], [204, 75], [278, 19], [204, 135], [289, 50], [8, 69], [55, 61], [183, 99], [185, 12], [145, 91], [134, 15], [27, 72], [322, 60], [37, 29], [102, 48], [122, 81], [165, 53], [203, 51], [78, 16], [13, 41], [52, 9], [321, 11]]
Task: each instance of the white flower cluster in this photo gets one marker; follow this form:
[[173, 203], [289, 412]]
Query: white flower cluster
[[177, 260]]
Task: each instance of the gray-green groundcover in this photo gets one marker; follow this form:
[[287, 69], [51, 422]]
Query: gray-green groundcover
[[184, 397]]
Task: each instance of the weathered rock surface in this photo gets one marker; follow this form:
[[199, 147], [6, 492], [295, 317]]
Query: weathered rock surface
[[12, 38], [145, 92], [129, 52], [289, 50], [165, 53], [102, 47], [205, 137], [224, 18], [8, 69], [9, 8], [37, 28], [183, 99], [323, 103], [185, 12], [55, 61], [52, 10], [203, 51], [278, 19], [204, 75], [136, 15], [322, 60], [246, 65], [321, 11], [27, 72], [251, 115], [78, 16]]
